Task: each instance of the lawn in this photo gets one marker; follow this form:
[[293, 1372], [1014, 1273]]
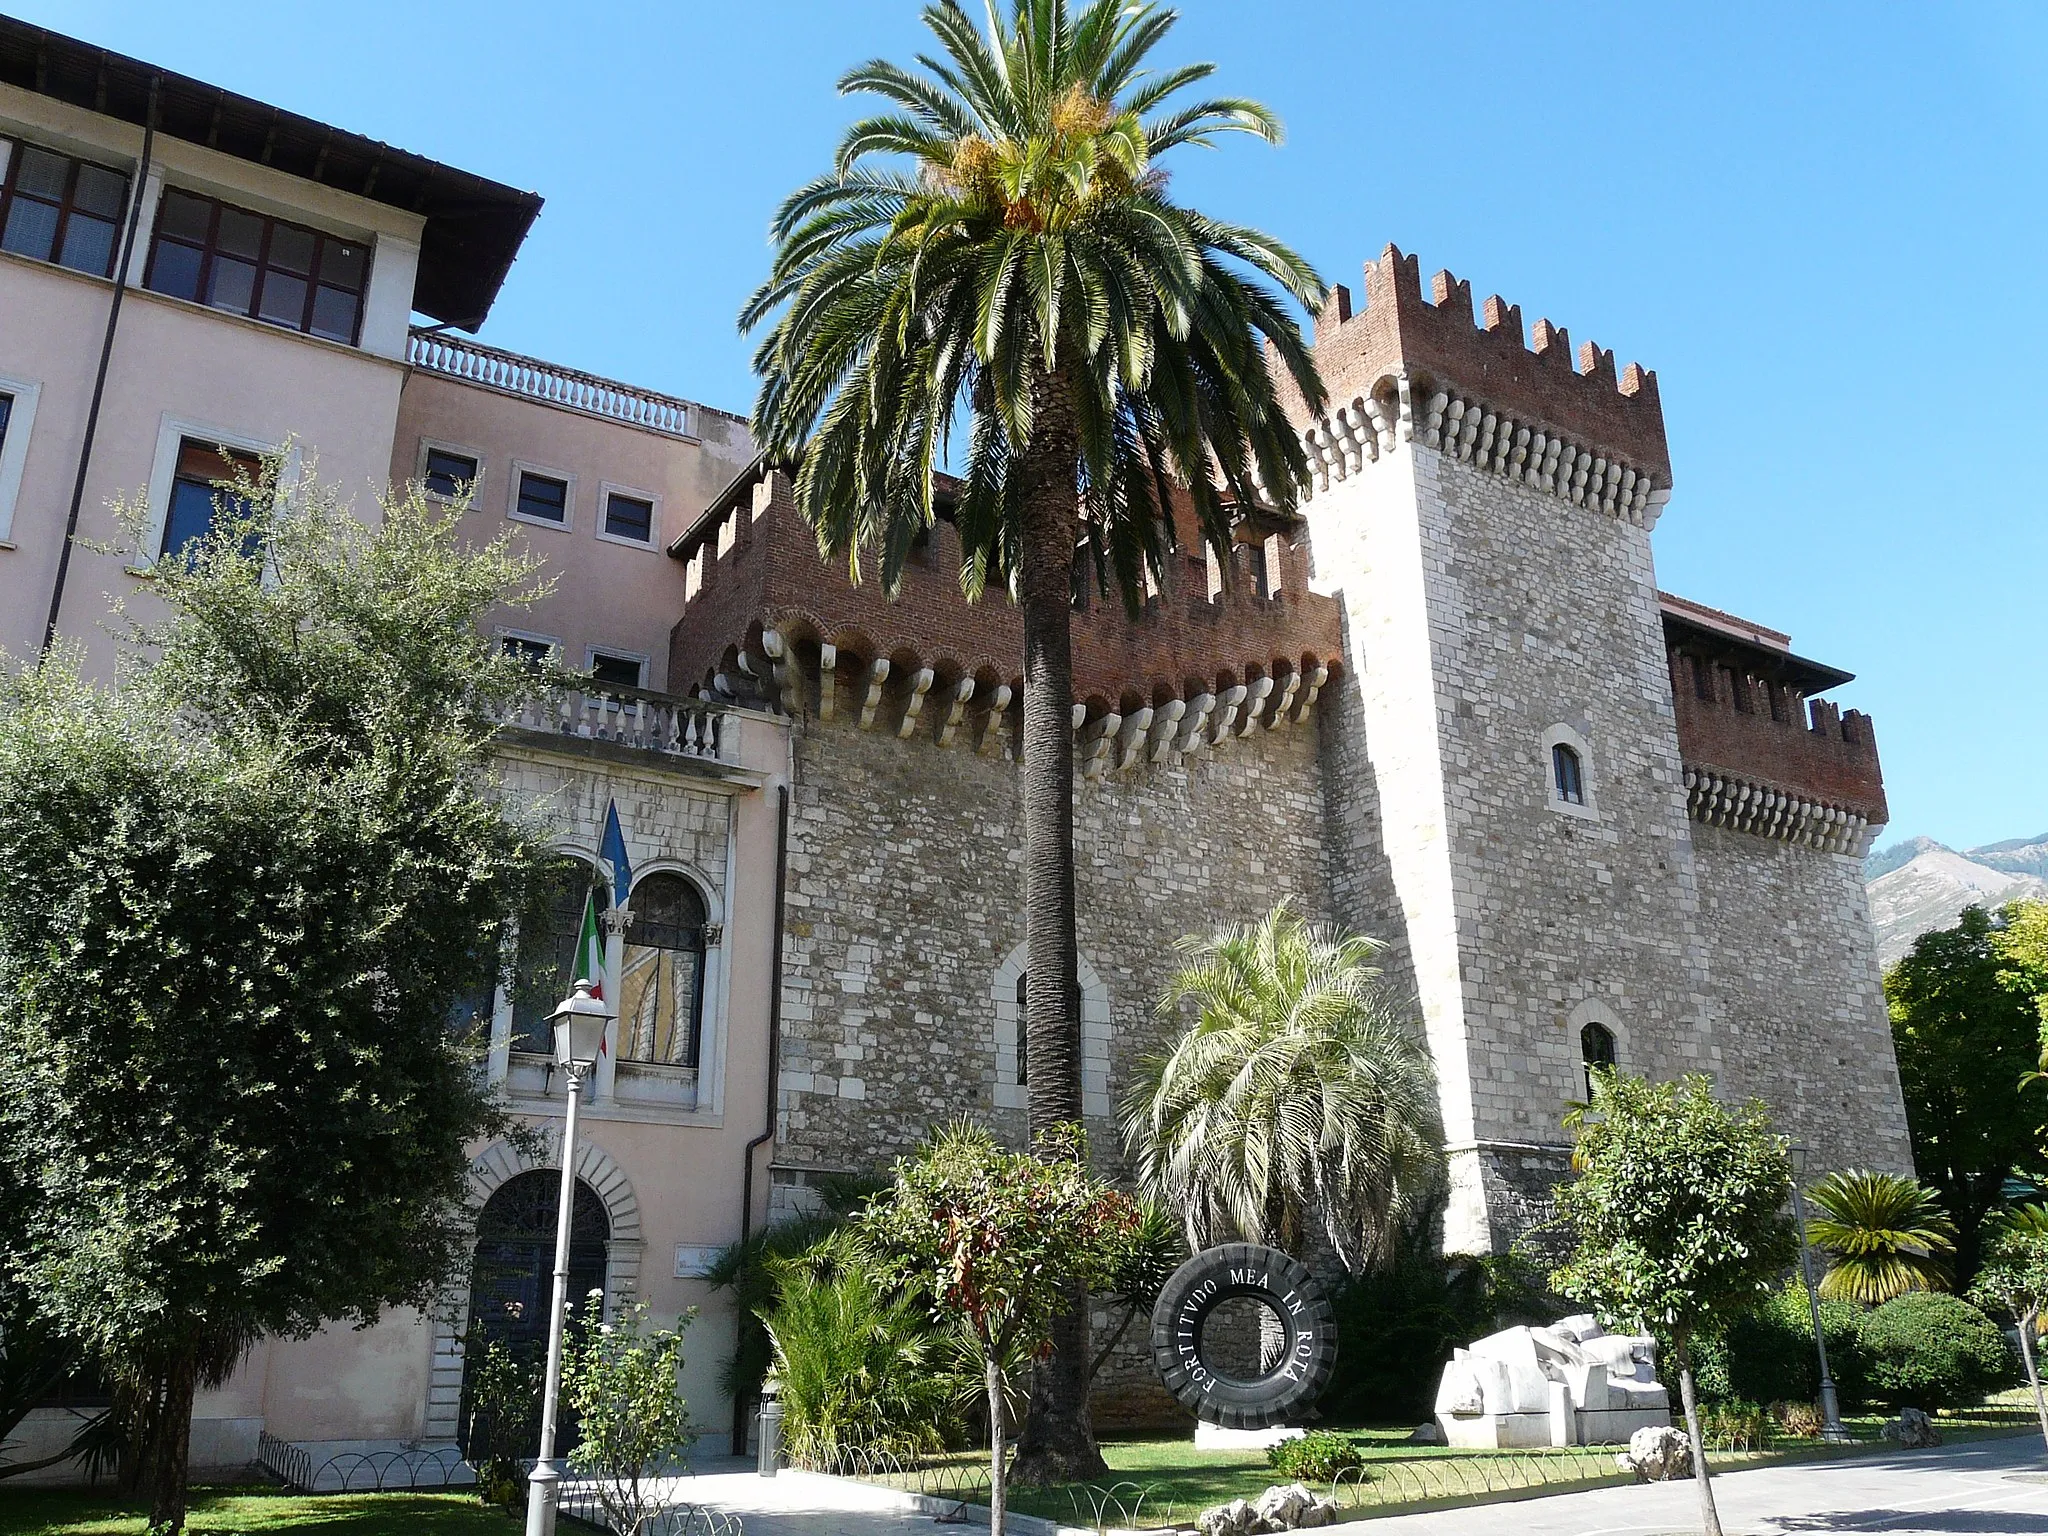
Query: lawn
[[92, 1512]]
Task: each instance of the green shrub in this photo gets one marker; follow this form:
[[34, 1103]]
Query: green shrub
[[1926, 1350], [1767, 1354], [857, 1369], [1397, 1326], [1316, 1457]]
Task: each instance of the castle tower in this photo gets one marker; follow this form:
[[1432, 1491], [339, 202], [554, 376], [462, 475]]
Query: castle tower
[[1507, 795]]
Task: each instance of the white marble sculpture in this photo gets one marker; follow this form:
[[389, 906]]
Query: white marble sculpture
[[1572, 1383]]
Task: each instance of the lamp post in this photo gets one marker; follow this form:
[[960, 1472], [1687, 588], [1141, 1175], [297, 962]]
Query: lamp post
[[1830, 1406], [579, 1025]]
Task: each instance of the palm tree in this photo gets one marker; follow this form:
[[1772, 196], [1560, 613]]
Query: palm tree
[[1886, 1234], [996, 251], [1300, 1104]]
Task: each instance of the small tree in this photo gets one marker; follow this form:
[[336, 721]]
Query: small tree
[[622, 1380], [2014, 1280], [1679, 1212], [245, 894], [993, 1239]]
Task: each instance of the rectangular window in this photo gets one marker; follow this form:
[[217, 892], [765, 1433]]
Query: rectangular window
[[619, 671], [629, 517], [525, 648], [6, 411], [55, 208], [248, 264], [543, 498], [197, 495], [449, 474]]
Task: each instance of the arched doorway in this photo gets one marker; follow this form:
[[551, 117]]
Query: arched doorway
[[512, 1277]]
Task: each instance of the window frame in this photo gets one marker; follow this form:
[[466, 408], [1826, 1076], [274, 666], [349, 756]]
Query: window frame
[[209, 252], [22, 396], [605, 491], [211, 487], [521, 468], [171, 434], [527, 637], [1561, 735], [617, 653], [474, 455], [10, 174], [701, 983]]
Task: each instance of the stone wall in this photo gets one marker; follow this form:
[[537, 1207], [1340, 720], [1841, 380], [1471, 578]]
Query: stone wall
[[1796, 981], [905, 899]]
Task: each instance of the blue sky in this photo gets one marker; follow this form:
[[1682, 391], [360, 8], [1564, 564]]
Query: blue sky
[[1822, 224]]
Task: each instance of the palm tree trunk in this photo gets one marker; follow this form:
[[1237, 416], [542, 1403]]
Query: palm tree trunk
[[168, 1444], [1058, 1441], [1710, 1517]]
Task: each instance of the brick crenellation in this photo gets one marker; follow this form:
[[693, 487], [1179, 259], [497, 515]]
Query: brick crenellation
[[1438, 341]]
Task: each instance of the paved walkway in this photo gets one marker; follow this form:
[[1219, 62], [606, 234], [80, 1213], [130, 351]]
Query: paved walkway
[[1988, 1488]]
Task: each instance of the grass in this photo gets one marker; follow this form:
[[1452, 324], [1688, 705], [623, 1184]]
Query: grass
[[1167, 1481], [94, 1512]]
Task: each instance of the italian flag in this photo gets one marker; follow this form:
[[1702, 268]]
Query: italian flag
[[589, 964]]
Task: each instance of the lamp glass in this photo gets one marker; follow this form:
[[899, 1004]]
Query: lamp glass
[[579, 1025]]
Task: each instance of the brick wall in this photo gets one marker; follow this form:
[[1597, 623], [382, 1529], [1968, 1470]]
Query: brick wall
[[1767, 731], [771, 575], [1439, 340]]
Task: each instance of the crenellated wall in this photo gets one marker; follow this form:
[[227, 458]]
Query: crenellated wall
[[752, 565]]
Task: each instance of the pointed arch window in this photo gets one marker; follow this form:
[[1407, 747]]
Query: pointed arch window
[[1596, 1051], [661, 994]]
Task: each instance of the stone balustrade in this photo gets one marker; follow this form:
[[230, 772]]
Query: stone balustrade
[[636, 718]]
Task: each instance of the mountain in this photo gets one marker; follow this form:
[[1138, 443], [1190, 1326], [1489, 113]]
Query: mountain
[[1919, 885]]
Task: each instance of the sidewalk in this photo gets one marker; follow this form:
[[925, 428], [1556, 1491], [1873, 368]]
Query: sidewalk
[[1986, 1488]]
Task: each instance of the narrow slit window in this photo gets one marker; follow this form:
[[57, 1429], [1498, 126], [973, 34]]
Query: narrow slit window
[[1568, 774]]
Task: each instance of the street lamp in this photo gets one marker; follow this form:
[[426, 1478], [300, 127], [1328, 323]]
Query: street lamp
[[1830, 1406], [579, 1025]]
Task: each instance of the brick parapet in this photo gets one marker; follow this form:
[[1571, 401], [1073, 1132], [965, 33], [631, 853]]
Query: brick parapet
[[1758, 729], [1437, 343], [759, 568]]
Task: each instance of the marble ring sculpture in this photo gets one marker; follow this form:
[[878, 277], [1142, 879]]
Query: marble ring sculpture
[[1288, 1386]]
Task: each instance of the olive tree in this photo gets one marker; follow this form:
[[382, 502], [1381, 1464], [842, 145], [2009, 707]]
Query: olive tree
[[1678, 1207], [246, 891]]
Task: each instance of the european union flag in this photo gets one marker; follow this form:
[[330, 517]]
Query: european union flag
[[613, 851]]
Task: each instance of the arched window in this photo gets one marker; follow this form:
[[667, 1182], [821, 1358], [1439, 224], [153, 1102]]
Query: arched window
[[512, 1275], [1596, 1049], [547, 960], [661, 995], [1023, 1036], [1568, 774]]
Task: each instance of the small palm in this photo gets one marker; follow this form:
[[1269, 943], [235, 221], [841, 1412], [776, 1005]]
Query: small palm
[[1886, 1233], [1302, 1102]]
